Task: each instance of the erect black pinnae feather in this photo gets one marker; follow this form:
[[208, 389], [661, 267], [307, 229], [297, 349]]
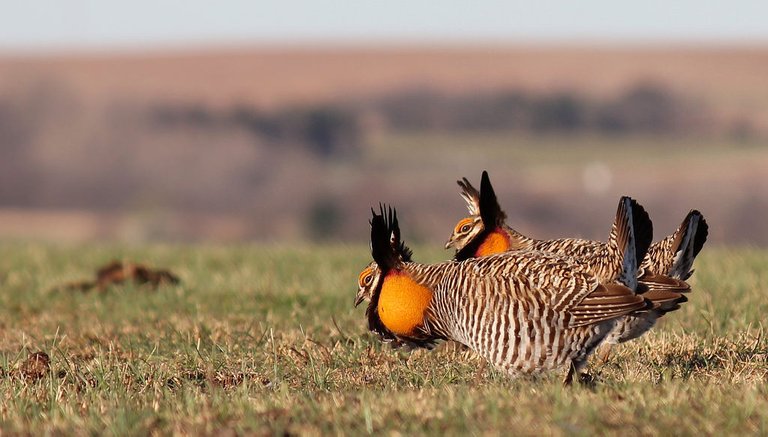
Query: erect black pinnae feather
[[385, 238], [403, 251], [490, 210]]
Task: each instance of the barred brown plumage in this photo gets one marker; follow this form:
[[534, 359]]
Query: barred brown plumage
[[524, 311], [486, 232]]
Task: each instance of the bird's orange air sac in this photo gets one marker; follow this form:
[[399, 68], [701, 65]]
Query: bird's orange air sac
[[402, 303], [495, 242]]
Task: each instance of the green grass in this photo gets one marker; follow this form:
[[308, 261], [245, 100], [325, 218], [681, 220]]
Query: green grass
[[265, 340]]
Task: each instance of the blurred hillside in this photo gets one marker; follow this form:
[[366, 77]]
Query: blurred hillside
[[286, 144]]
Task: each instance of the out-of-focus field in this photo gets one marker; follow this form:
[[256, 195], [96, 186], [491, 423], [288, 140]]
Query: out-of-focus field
[[550, 186], [286, 144], [264, 339]]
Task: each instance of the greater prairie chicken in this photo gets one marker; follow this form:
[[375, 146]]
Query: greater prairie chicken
[[673, 256], [369, 278], [524, 311], [485, 232]]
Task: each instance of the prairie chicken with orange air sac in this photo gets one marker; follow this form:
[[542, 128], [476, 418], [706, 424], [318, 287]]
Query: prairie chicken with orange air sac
[[525, 312], [673, 256], [486, 232]]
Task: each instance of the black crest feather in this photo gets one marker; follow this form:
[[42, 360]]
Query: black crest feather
[[490, 210], [403, 251], [387, 247]]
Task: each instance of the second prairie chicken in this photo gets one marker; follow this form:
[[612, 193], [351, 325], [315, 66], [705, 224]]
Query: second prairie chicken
[[672, 256], [525, 312], [663, 270]]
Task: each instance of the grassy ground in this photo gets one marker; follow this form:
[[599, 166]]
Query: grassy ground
[[265, 340]]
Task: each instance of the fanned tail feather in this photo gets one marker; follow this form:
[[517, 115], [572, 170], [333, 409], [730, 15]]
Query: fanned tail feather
[[631, 236], [688, 242]]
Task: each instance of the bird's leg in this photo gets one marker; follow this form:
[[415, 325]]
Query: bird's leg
[[604, 352]]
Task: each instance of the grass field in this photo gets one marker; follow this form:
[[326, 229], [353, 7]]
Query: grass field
[[265, 340]]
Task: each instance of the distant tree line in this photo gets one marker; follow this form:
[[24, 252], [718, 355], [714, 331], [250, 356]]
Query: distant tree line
[[325, 130], [645, 108], [336, 129]]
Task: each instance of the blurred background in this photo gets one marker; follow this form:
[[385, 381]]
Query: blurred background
[[286, 121]]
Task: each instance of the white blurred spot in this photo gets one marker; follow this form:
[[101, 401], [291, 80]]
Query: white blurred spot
[[597, 178]]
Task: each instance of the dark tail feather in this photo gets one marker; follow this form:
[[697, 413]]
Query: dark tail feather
[[688, 242], [631, 234], [643, 227], [702, 232]]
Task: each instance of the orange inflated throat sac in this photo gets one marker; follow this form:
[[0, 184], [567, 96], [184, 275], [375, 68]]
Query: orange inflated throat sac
[[402, 303], [495, 242]]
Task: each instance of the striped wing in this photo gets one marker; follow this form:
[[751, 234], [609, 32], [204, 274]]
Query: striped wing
[[563, 284], [607, 302]]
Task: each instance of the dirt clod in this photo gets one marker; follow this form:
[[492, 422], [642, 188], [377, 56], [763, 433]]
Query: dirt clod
[[36, 367], [118, 272]]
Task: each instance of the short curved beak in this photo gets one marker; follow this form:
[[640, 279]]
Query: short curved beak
[[359, 299], [449, 243]]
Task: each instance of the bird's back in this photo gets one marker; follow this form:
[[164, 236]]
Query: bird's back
[[524, 311]]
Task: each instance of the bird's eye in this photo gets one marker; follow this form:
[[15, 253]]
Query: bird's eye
[[465, 228], [367, 280]]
